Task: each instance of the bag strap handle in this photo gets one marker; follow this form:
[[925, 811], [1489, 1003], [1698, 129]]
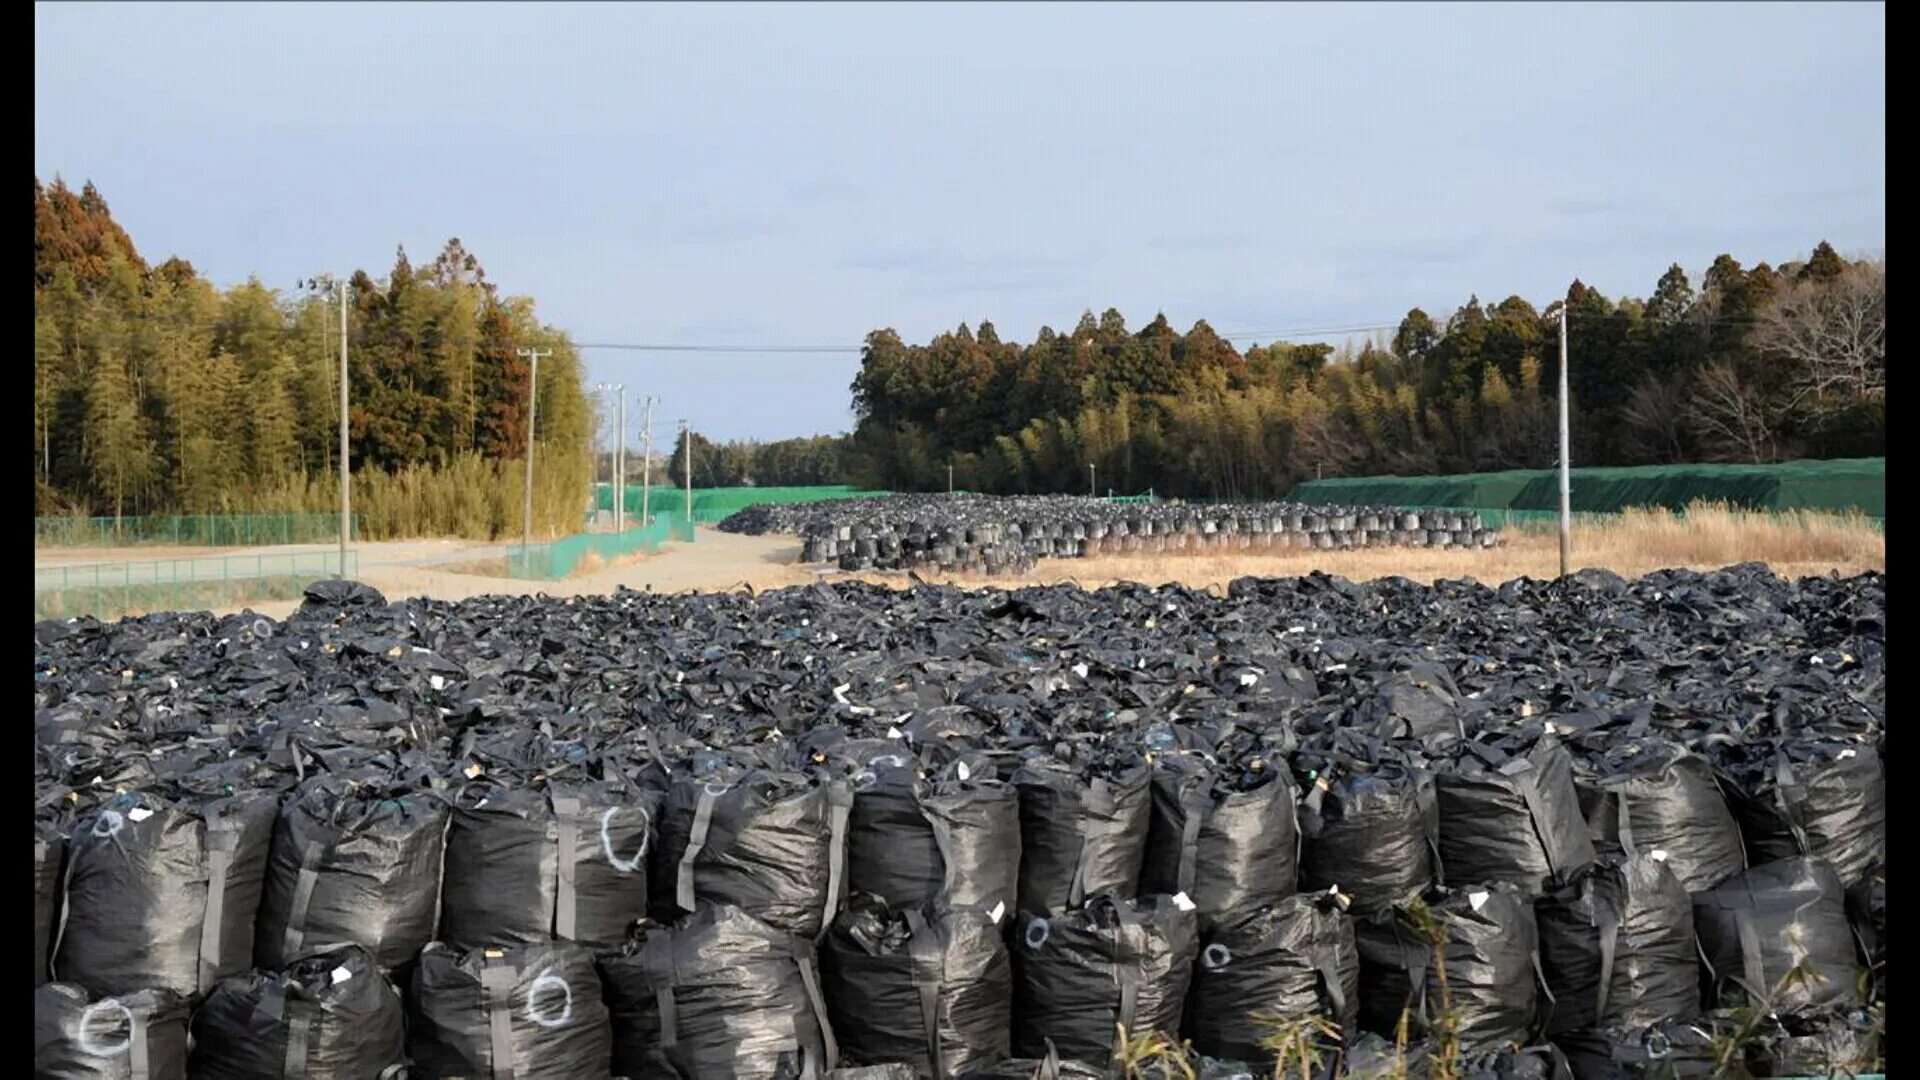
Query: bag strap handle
[[497, 981], [924, 953]]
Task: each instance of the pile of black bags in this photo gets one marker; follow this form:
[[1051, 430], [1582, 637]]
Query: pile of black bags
[[1591, 828]]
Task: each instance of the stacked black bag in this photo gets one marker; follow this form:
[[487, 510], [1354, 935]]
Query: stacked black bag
[[720, 996], [1293, 960], [920, 985], [1113, 964], [328, 1016], [533, 1012], [77, 1036]]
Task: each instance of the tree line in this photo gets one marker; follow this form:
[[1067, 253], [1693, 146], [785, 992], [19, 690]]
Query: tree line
[[1756, 365], [156, 392]]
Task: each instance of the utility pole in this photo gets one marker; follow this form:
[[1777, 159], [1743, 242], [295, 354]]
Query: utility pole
[[949, 477], [1566, 485], [533, 385], [346, 467], [686, 465], [1093, 492], [620, 462], [646, 468]]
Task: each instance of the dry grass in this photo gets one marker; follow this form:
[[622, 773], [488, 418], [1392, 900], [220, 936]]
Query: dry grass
[[1795, 543]]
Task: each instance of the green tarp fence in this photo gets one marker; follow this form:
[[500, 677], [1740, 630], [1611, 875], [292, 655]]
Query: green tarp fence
[[560, 558], [1836, 486], [203, 530], [712, 505]]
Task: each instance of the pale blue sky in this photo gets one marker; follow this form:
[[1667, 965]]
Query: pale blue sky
[[801, 174]]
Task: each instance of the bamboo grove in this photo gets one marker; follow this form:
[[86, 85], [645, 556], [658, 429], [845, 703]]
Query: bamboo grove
[[156, 392]]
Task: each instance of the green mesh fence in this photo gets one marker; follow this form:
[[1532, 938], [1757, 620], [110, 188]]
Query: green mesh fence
[[198, 530], [1836, 486], [711, 505], [105, 590], [560, 558]]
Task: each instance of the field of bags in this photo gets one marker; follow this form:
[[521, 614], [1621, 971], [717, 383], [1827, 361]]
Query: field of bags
[[1593, 828], [996, 534]]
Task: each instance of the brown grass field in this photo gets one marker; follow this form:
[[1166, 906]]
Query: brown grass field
[[1795, 544]]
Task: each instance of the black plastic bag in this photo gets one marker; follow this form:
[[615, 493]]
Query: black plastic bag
[[1618, 950], [1490, 944], [1818, 798], [1673, 804], [335, 594], [1518, 1063], [1293, 960], [1227, 838], [1680, 1050], [1824, 1045], [1370, 1057], [1083, 833], [1373, 834], [1510, 813], [328, 1016], [771, 844], [1114, 962], [893, 1070], [137, 1036], [1771, 920], [49, 854], [721, 996], [1867, 911], [162, 893], [532, 1012], [951, 838], [917, 985], [353, 864], [526, 865]]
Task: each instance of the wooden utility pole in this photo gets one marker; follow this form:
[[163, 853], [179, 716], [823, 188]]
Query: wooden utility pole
[[533, 385], [346, 467]]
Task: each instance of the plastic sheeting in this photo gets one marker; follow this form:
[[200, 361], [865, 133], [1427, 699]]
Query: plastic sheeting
[[353, 864], [1771, 920], [950, 838], [1509, 812], [1114, 962], [770, 843], [527, 1013], [137, 1036], [1228, 838], [329, 1016], [914, 985], [722, 996], [525, 865], [1083, 832], [1293, 960], [1617, 948], [161, 894], [1490, 943]]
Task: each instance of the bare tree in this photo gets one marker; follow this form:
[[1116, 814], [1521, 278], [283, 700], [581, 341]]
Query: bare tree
[[1733, 417], [1655, 418], [1833, 335]]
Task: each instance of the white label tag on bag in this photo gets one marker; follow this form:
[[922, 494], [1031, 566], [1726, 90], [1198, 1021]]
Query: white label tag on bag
[[999, 910], [1080, 670], [1477, 899], [1180, 901], [341, 974], [139, 813], [1659, 855], [962, 771]]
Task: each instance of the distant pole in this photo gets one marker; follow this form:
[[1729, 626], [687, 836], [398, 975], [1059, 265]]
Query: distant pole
[[594, 451], [949, 477], [1566, 484], [533, 384], [646, 467], [1093, 492], [346, 468], [620, 462], [686, 465]]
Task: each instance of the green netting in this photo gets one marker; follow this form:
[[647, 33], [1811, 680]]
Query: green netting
[[209, 530], [1472, 491], [560, 558], [104, 590], [1835, 486], [711, 505]]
